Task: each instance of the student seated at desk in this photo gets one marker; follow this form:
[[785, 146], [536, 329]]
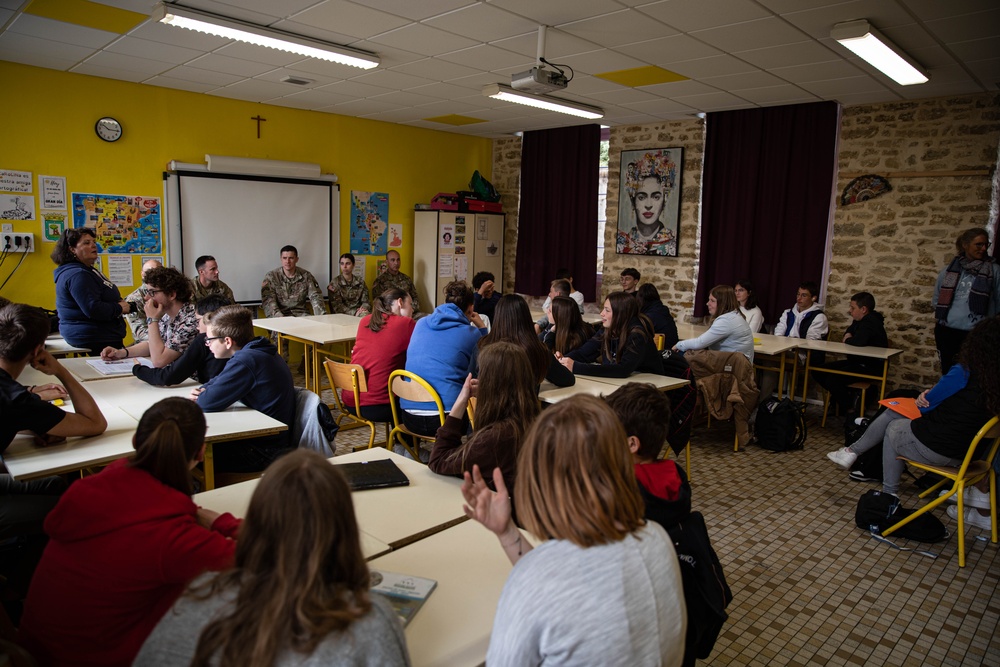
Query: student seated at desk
[[298, 594], [23, 329], [625, 344], [486, 296], [506, 405], [867, 329], [568, 331], [804, 320], [196, 361], [604, 586], [168, 304], [746, 296], [124, 544], [255, 375], [561, 286], [729, 331]]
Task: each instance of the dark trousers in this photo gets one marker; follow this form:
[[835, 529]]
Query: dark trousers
[[24, 505], [376, 413], [948, 342]]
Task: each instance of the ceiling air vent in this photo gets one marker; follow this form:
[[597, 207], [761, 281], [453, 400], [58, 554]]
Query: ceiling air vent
[[296, 80]]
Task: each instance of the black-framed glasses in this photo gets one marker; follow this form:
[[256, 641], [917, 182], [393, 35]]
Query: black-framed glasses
[[209, 339], [153, 291]]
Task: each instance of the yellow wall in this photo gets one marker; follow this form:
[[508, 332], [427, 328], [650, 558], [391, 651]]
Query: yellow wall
[[48, 128]]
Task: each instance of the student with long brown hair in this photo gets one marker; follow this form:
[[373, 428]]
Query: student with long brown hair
[[299, 591], [123, 545], [512, 323], [568, 330], [729, 331], [604, 586], [623, 347], [506, 405]]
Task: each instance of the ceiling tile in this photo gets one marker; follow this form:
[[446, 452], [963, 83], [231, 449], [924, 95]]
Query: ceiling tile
[[57, 31], [751, 35], [276, 76], [13, 41], [711, 101], [391, 79], [987, 71], [486, 57], [348, 18], [143, 48], [622, 27], [624, 95], [655, 107], [928, 10], [229, 65], [354, 89], [435, 69], [677, 88], [817, 22], [724, 65], [423, 39], [444, 91], [835, 69], [964, 28], [165, 34], [757, 79], [179, 84], [109, 72], [258, 54], [770, 95], [785, 55], [557, 12], [667, 50], [197, 75], [836, 87], [604, 60], [405, 98], [359, 107], [310, 99], [691, 15], [37, 59], [281, 9], [558, 44], [325, 68], [388, 55], [315, 32], [129, 63], [234, 11], [482, 22], [253, 89], [417, 11]]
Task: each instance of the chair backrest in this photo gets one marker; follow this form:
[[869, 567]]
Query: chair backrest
[[990, 430], [412, 387], [346, 377], [471, 409]]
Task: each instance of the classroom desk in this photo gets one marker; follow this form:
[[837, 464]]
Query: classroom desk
[[455, 623], [549, 393], [830, 347], [83, 371], [590, 318], [57, 346], [123, 402], [661, 382], [396, 516], [312, 332]]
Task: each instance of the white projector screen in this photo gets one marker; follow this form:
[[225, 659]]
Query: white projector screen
[[243, 221]]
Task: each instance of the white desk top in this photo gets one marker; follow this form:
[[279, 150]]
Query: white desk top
[[394, 516], [84, 372], [312, 328], [661, 382], [844, 348], [549, 393], [762, 343], [454, 625], [58, 347], [591, 318]]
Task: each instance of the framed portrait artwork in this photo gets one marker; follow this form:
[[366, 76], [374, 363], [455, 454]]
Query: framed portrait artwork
[[649, 202]]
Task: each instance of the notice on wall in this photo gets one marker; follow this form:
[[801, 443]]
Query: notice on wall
[[359, 266], [17, 207], [461, 267], [482, 229], [447, 237], [395, 236], [53, 224], [15, 181], [120, 270], [446, 268], [52, 190]]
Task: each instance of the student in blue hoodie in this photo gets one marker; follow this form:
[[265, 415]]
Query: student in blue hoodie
[[440, 349], [255, 375]]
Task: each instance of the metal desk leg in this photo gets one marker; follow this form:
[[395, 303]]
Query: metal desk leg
[[209, 465]]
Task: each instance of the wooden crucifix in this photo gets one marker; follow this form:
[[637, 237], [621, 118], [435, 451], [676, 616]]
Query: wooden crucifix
[[259, 121]]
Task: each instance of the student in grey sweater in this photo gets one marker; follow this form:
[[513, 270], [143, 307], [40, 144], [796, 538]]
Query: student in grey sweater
[[604, 588], [298, 594]]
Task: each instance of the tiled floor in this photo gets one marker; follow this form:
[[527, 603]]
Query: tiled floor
[[810, 588]]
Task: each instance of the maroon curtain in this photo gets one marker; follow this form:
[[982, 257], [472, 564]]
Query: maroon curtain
[[557, 219], [766, 197]]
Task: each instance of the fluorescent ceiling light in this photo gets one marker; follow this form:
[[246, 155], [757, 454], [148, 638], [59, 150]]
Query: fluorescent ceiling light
[[883, 55], [193, 19], [507, 94]]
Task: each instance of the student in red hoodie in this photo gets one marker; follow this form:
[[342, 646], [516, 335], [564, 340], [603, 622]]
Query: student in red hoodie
[[123, 545]]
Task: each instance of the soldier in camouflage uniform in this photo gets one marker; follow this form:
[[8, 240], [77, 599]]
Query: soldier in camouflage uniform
[[288, 291], [393, 278], [136, 317], [347, 292], [207, 281]]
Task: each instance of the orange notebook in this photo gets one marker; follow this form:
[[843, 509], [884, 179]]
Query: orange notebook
[[904, 406]]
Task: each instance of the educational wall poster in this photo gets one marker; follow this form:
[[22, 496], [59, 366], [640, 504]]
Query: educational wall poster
[[369, 222], [52, 191], [124, 224], [649, 202], [53, 224], [120, 270], [15, 181], [17, 207], [395, 236]]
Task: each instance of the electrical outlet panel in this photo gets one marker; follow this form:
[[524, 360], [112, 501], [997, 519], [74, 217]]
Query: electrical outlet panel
[[7, 227], [17, 242]]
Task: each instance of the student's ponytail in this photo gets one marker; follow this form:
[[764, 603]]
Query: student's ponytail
[[168, 438], [382, 307]]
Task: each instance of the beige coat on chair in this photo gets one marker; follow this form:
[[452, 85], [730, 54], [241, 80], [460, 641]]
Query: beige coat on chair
[[726, 386]]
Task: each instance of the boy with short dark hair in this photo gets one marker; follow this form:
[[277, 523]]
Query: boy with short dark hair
[[630, 280], [255, 375], [486, 297]]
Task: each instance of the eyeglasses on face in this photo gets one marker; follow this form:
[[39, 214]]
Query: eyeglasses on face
[[209, 339]]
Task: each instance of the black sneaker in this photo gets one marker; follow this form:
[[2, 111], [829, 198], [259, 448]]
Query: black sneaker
[[859, 476]]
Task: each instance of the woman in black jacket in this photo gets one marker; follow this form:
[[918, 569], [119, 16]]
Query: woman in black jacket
[[624, 346]]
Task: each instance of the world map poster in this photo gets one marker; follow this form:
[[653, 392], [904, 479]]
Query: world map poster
[[369, 222], [123, 224]]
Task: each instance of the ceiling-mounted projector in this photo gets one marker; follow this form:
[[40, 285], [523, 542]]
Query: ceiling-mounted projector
[[538, 80]]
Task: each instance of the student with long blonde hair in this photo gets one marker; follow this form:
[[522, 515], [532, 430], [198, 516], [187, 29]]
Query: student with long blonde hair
[[506, 405], [604, 586], [729, 331], [298, 594], [123, 545]]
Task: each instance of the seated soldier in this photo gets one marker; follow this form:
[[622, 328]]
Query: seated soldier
[[393, 278], [23, 329], [485, 299], [289, 291], [207, 281], [866, 330], [136, 317], [196, 361], [254, 375]]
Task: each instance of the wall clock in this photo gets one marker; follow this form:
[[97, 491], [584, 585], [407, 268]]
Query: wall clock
[[108, 128]]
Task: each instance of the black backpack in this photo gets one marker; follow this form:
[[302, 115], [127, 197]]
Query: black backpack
[[877, 511], [780, 425]]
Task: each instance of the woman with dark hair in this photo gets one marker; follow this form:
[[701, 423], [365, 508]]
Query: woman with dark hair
[[380, 349], [952, 411], [298, 593], [123, 544], [512, 323], [568, 330], [506, 405], [348, 293], [747, 298], [967, 290], [90, 306], [624, 346], [604, 586], [652, 307], [728, 332]]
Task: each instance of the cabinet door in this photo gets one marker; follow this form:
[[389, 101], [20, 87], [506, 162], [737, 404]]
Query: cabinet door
[[486, 238]]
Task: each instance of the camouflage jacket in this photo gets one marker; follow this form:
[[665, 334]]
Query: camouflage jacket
[[218, 287], [401, 281], [350, 298], [281, 295], [136, 316]]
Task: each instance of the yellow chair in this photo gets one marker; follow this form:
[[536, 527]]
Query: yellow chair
[[970, 472], [351, 378], [471, 410], [412, 387], [660, 340]]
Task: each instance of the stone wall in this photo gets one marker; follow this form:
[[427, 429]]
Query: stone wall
[[893, 246]]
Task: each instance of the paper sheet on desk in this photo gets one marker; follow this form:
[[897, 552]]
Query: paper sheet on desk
[[118, 367]]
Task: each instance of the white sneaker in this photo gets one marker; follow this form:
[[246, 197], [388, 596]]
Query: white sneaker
[[843, 457], [973, 498], [972, 518]]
